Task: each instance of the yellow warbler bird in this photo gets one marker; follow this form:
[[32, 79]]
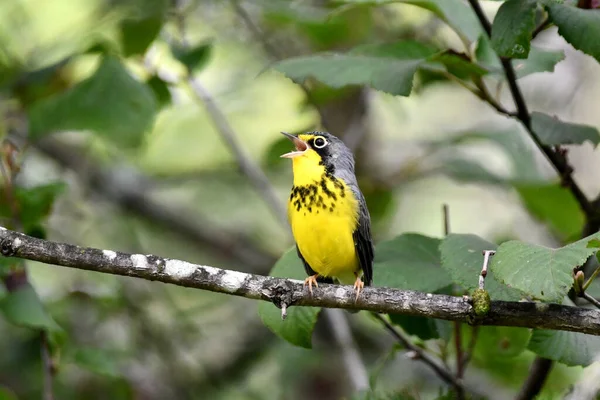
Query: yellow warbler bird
[[328, 213]]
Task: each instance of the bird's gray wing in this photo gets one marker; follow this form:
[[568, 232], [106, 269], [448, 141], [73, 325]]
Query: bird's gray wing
[[362, 239]]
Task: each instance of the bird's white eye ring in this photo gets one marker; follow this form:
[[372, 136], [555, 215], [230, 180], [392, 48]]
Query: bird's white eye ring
[[320, 142]]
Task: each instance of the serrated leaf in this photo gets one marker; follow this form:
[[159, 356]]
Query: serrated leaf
[[455, 63], [539, 60], [542, 272], [553, 131], [497, 342], [298, 327], [338, 70], [512, 28], [554, 205], [194, 58], [579, 27], [110, 102], [570, 348], [98, 361], [402, 263], [23, 307], [462, 258]]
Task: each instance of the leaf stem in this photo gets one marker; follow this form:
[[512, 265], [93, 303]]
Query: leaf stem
[[421, 354], [591, 299], [590, 279]]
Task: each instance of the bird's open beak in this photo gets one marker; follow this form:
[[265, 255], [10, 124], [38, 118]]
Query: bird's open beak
[[301, 146]]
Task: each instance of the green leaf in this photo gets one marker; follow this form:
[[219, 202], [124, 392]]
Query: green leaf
[[137, 36], [298, 327], [422, 327], [110, 102], [98, 361], [337, 70], [34, 204], [402, 50], [463, 170], [142, 25], [7, 394], [456, 63], [194, 58], [581, 28], [462, 258], [553, 131], [23, 307], [541, 272], [455, 13], [404, 261], [160, 89], [554, 205], [497, 342], [570, 348], [513, 27], [539, 60], [380, 201]]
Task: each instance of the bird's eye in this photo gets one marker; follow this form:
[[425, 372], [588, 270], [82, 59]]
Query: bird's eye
[[320, 142]]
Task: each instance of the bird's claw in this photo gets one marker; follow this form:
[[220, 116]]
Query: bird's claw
[[358, 286], [309, 281]]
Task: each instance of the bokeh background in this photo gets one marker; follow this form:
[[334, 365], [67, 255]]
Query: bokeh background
[[160, 178]]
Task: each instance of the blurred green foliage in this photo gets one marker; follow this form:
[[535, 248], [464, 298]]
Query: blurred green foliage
[[106, 82]]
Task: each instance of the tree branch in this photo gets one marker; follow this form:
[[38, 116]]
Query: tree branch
[[291, 292], [557, 159], [540, 369]]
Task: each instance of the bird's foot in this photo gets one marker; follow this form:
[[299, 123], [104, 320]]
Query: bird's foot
[[309, 281], [358, 286]]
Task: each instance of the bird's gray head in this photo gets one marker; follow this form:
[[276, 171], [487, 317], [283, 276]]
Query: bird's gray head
[[325, 149]]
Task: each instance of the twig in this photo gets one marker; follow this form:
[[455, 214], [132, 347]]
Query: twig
[[540, 369], [420, 354], [352, 359], [277, 290], [471, 346], [540, 28], [486, 259], [541, 366], [248, 168], [558, 160], [48, 367], [591, 299], [460, 393]]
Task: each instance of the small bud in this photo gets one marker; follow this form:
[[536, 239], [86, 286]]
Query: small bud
[[481, 302], [579, 282]]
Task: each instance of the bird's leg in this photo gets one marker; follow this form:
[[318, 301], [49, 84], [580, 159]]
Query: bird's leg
[[310, 280], [358, 286]]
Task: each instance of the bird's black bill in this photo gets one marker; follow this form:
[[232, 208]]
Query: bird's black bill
[[301, 146]]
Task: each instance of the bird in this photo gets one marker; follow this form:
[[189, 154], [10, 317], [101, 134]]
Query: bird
[[328, 213]]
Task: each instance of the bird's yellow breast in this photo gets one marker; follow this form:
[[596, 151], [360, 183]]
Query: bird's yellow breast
[[323, 214]]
